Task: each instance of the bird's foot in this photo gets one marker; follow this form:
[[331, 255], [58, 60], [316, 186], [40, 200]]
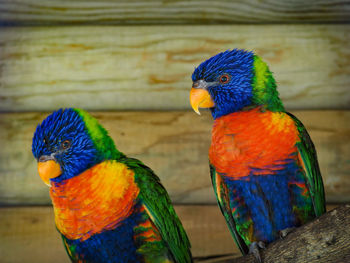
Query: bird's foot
[[284, 232], [254, 249]]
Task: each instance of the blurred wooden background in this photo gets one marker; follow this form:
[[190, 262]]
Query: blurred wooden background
[[129, 63]]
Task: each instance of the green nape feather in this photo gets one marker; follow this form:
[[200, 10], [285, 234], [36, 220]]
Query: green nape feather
[[102, 141], [264, 87], [156, 199]]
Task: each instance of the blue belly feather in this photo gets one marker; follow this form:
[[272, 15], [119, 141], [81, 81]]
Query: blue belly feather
[[114, 246], [270, 202]]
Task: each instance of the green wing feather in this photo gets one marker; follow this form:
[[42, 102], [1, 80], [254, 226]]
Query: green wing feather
[[157, 201], [312, 171], [223, 198]]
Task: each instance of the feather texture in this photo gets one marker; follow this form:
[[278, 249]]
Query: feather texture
[[261, 184]]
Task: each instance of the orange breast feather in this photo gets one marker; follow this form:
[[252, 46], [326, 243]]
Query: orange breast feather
[[94, 201], [252, 140]]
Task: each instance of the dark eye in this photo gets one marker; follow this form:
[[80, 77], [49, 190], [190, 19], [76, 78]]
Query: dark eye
[[224, 79], [65, 144]]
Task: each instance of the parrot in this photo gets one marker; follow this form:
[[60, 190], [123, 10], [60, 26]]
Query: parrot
[[263, 164], [107, 207]]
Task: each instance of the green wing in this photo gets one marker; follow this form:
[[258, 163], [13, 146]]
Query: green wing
[[223, 198], [157, 201], [308, 157]]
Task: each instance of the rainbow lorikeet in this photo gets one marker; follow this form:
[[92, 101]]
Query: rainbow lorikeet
[[263, 163], [108, 207]]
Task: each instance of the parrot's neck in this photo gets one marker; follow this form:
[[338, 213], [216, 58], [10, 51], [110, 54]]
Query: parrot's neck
[[94, 201], [264, 88]]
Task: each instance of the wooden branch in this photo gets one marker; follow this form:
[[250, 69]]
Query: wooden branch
[[58, 12], [326, 239]]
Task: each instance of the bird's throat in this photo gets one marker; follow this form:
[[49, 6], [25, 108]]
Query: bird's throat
[[252, 139], [94, 201]]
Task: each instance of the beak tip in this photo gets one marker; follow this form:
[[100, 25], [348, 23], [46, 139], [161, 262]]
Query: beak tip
[[195, 108]]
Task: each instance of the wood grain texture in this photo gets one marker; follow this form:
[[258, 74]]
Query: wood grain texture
[[149, 67], [174, 144], [53, 12], [28, 234]]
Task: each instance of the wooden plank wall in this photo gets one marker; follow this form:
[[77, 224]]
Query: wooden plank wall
[[63, 12], [149, 67], [130, 62], [175, 144]]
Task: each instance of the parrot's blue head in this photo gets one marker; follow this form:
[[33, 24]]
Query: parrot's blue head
[[232, 81], [68, 142]]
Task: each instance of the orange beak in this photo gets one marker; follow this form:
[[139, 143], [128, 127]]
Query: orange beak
[[200, 98], [47, 170]]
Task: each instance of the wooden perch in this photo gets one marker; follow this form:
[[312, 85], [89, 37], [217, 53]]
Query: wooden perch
[[326, 239]]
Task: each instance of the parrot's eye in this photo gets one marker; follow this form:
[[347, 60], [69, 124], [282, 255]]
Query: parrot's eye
[[224, 79], [65, 144]]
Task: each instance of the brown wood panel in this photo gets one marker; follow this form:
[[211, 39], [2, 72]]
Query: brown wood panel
[[149, 67], [39, 12], [28, 234], [174, 144]]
